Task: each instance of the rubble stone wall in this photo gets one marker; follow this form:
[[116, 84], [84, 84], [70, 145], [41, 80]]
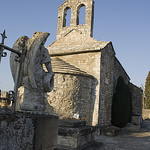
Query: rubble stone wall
[[137, 96], [119, 71], [71, 95], [88, 62], [106, 85]]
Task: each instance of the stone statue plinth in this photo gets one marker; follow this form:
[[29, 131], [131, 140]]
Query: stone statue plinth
[[26, 130]]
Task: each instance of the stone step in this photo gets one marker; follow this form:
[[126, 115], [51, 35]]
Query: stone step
[[71, 123], [74, 135]]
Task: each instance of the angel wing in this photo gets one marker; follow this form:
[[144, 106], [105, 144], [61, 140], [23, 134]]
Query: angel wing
[[19, 45], [33, 46]]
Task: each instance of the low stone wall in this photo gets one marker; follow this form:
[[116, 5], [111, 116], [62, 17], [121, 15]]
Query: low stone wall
[[26, 131], [137, 96], [146, 114]]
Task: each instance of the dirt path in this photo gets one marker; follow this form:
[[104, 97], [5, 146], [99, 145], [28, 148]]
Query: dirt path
[[129, 141]]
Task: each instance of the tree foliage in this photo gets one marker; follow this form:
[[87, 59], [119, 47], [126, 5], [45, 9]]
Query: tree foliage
[[147, 91], [121, 104]]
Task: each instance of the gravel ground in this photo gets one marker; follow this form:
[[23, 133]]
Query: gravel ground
[[126, 141]]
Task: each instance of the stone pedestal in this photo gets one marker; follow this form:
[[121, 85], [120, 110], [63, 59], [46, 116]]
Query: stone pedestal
[[28, 131], [74, 135]]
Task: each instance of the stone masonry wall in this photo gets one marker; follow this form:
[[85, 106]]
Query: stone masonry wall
[[111, 69], [106, 69], [137, 97], [71, 95], [90, 63], [106, 85], [119, 71], [75, 5]]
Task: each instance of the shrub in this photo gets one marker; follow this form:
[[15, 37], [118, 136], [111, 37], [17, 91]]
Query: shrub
[[147, 91], [121, 104]]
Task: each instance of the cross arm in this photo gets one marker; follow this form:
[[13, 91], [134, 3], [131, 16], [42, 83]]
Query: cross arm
[[10, 49]]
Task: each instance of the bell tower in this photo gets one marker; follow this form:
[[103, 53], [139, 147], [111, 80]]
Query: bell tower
[[74, 6]]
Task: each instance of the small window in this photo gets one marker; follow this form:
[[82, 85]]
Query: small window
[[81, 14], [67, 17]]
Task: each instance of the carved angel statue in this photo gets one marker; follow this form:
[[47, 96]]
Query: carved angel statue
[[35, 80]]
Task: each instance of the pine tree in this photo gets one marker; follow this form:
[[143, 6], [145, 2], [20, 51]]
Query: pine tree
[[147, 91]]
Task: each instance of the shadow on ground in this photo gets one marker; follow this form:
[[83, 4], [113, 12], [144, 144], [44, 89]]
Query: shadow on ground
[[126, 141]]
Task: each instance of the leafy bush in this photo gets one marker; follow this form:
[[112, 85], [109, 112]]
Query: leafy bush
[[121, 104]]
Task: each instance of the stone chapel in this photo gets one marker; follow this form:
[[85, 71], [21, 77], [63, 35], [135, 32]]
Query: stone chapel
[[86, 70]]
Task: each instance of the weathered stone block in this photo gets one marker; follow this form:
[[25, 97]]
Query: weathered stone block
[[71, 123], [110, 131], [136, 120], [131, 127], [76, 136], [26, 131]]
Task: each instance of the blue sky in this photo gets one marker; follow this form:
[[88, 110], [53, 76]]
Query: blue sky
[[124, 22]]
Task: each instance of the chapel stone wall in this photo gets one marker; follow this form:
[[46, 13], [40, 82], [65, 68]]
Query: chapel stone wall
[[76, 46], [88, 62], [106, 85], [119, 71], [71, 96]]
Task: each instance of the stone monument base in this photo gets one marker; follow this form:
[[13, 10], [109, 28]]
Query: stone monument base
[[28, 131], [74, 135]]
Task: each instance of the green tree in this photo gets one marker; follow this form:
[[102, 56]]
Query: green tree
[[121, 104], [147, 92]]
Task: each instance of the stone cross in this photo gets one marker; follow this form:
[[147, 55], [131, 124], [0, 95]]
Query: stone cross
[[1, 48]]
